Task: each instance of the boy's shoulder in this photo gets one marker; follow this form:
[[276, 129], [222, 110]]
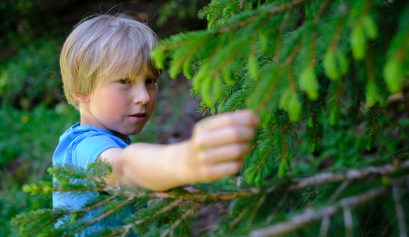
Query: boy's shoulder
[[80, 145]]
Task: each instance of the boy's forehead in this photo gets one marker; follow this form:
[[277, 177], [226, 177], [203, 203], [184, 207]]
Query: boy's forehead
[[126, 72]]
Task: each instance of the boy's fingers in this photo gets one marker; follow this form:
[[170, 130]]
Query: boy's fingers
[[221, 170], [225, 136], [242, 117], [224, 153]]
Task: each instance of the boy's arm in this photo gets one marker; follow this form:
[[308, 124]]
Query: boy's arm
[[214, 151]]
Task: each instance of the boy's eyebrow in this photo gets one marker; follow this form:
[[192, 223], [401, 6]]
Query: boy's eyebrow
[[117, 79], [153, 75], [148, 76]]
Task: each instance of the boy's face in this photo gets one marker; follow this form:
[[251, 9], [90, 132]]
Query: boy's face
[[120, 104]]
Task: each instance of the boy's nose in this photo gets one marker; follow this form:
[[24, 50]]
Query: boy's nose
[[140, 95]]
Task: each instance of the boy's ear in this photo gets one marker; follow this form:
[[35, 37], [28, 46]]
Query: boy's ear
[[82, 98]]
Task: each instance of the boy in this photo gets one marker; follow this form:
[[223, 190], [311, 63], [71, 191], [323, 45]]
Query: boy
[[109, 78]]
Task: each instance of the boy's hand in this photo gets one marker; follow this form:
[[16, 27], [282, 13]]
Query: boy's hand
[[218, 144]]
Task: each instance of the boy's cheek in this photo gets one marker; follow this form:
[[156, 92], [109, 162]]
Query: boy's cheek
[[153, 102]]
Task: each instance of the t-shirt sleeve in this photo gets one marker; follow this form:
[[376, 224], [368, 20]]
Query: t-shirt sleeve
[[88, 149]]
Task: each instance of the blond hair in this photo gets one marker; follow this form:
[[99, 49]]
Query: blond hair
[[101, 45]]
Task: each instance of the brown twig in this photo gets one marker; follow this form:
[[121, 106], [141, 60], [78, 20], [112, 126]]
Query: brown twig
[[348, 221], [324, 226], [399, 211], [311, 215], [353, 174]]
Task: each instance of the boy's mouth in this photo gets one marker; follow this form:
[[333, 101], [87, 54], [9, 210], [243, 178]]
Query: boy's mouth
[[138, 115]]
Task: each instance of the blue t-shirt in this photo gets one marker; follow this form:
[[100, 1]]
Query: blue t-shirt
[[79, 146]]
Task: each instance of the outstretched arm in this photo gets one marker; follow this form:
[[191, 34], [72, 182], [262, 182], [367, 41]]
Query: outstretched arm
[[214, 151]]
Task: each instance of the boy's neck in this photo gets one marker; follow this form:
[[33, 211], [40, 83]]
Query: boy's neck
[[117, 134]]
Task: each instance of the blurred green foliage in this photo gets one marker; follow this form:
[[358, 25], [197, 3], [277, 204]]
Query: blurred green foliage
[[179, 9], [32, 77], [27, 140], [23, 135]]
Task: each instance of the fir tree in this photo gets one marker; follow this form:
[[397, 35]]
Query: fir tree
[[327, 80]]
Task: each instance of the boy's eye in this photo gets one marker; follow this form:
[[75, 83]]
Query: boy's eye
[[124, 81], [151, 81]]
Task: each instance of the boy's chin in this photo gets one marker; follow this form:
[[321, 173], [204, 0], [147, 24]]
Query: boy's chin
[[134, 131], [129, 130]]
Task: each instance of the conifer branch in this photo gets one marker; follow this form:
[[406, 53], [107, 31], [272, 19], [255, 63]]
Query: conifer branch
[[43, 225], [279, 39], [372, 123], [170, 45], [189, 213], [324, 226], [167, 208], [196, 198], [239, 217], [323, 6], [326, 178], [264, 159], [352, 174], [276, 208], [227, 60], [339, 190], [335, 38], [163, 210], [92, 207], [287, 6], [296, 184], [399, 210], [229, 93], [262, 103], [293, 54], [189, 54], [272, 10], [212, 196], [103, 216], [348, 221], [82, 189], [311, 215], [255, 210], [314, 130]]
